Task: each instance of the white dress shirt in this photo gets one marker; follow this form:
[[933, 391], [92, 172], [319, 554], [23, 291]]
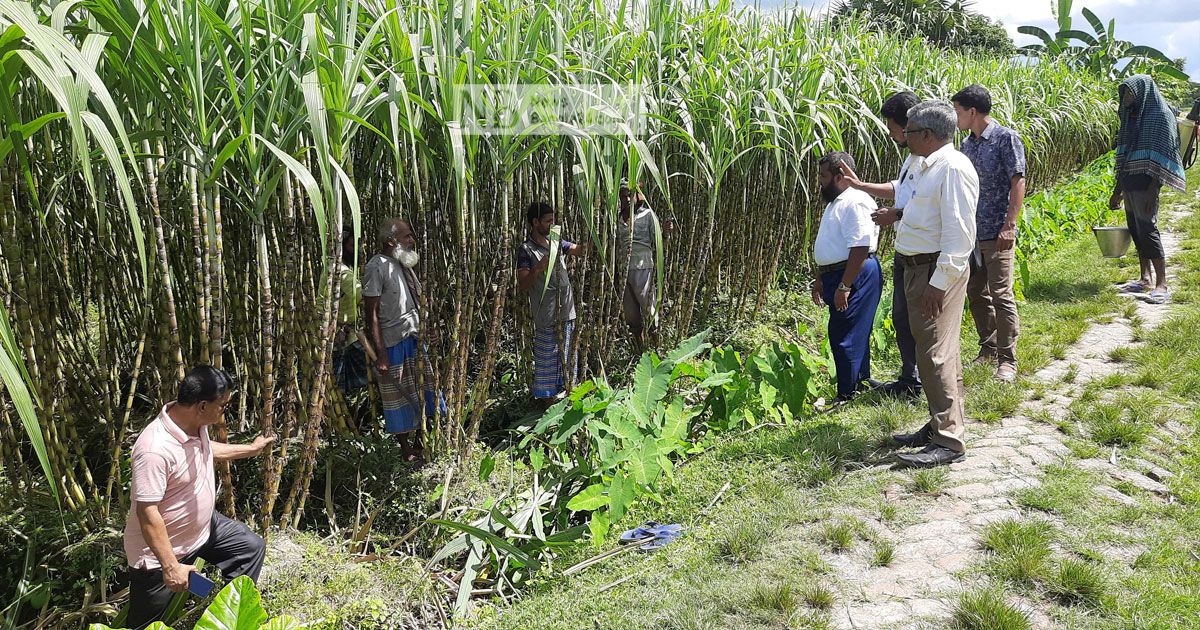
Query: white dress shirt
[[902, 186], [846, 223], [940, 217]]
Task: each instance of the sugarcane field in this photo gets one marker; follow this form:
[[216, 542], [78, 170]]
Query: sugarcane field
[[615, 314]]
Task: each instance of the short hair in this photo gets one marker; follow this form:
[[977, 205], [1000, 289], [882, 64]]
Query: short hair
[[537, 210], [830, 161], [936, 116], [897, 105], [976, 96], [203, 383], [389, 228]]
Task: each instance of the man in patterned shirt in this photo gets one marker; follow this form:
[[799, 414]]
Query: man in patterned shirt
[[999, 159]]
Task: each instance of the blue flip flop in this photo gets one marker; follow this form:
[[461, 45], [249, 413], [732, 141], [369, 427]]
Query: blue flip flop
[[662, 535]]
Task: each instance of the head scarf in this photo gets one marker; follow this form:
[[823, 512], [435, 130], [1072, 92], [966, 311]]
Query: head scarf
[[1148, 142]]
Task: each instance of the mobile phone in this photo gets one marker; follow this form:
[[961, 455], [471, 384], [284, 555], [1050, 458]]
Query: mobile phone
[[199, 585]]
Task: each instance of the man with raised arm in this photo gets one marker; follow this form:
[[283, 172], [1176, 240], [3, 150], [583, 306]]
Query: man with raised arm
[[895, 114], [934, 242]]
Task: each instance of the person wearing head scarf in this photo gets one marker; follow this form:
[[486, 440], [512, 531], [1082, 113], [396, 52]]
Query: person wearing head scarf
[[1147, 159]]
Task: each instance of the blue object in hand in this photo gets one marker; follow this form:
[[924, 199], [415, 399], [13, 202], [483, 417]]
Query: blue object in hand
[[199, 585]]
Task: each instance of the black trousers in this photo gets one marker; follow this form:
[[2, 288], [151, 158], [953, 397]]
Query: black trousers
[[904, 337], [231, 546]]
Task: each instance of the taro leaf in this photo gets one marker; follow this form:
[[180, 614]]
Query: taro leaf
[[537, 459], [486, 466], [718, 379], [689, 348], [599, 527], [572, 420], [499, 543], [591, 498], [644, 463], [623, 427], [621, 493], [237, 607], [648, 387], [581, 390], [675, 423]]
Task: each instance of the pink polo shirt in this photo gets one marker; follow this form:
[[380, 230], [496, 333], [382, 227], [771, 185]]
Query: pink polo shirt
[[176, 472]]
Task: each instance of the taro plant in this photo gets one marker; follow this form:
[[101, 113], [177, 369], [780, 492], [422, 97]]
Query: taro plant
[[238, 605], [602, 449]]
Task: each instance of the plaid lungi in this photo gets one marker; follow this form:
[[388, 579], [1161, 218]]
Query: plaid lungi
[[400, 390], [549, 378]]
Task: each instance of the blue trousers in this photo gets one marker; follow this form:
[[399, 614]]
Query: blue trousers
[[850, 330]]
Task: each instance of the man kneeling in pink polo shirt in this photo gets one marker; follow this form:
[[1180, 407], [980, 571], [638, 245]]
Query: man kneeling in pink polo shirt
[[171, 517]]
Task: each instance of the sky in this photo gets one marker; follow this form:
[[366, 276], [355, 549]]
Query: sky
[[1172, 26]]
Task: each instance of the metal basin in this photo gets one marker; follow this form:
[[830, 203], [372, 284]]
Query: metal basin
[[1113, 241]]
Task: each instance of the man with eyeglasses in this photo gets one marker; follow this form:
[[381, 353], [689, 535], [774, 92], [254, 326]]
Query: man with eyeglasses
[[172, 517], [934, 242]]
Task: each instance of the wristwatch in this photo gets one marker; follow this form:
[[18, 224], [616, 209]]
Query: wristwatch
[[843, 288]]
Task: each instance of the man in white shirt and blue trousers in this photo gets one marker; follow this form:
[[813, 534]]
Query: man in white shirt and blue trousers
[[848, 276], [934, 242]]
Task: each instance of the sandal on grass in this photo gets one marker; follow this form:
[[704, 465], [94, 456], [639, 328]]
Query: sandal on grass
[[1133, 286], [1158, 297]]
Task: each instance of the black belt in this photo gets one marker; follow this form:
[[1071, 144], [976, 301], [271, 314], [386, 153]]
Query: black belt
[[917, 259], [837, 266]]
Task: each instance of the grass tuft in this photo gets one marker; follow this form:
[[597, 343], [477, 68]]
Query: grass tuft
[[930, 480], [1021, 551], [742, 542], [839, 536], [818, 597], [986, 609], [777, 597], [1079, 581], [883, 553]]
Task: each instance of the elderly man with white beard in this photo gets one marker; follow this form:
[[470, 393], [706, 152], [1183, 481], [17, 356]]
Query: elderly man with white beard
[[391, 295]]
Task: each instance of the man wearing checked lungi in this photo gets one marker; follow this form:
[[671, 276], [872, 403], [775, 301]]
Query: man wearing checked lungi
[[551, 302], [391, 295]]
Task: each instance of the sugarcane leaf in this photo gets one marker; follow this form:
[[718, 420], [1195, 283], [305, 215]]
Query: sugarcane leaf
[[17, 385], [492, 539]]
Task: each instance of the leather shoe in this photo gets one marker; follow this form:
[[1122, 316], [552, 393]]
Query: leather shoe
[[932, 455], [903, 391], [914, 440], [868, 385]]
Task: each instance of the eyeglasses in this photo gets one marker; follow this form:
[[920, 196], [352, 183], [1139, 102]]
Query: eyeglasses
[[910, 131]]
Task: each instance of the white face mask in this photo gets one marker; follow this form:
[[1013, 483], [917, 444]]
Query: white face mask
[[406, 257]]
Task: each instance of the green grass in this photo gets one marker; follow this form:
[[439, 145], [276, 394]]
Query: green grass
[[774, 597], [930, 480], [883, 552], [818, 597], [1078, 582], [743, 541], [986, 609], [1020, 550], [840, 536]]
